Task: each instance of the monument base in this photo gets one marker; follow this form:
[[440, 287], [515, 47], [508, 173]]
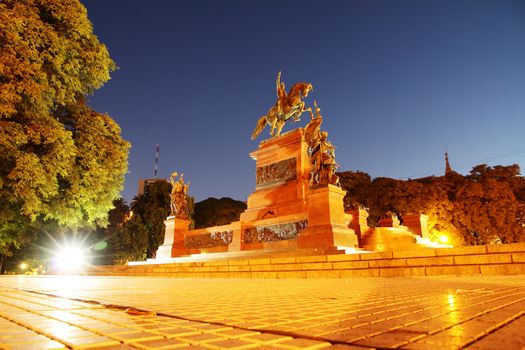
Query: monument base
[[174, 237], [286, 213], [327, 226]]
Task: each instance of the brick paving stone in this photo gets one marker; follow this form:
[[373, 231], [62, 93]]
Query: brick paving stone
[[237, 333], [174, 332], [210, 327], [266, 338], [298, 343], [117, 347], [89, 342], [160, 344], [231, 344], [135, 337], [39, 345], [200, 338], [387, 340]]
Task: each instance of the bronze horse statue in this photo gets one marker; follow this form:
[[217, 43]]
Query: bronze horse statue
[[287, 106]]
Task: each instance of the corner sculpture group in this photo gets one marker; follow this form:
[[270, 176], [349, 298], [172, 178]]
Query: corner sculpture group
[[297, 202], [179, 196]]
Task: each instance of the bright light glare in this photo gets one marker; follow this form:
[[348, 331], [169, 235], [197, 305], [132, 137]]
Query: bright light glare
[[70, 259], [443, 239], [23, 266]]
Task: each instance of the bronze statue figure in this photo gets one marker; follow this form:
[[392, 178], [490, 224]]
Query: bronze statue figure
[[287, 106], [321, 151], [178, 196]]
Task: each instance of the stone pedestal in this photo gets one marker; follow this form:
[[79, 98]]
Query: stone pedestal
[[174, 236], [389, 238], [326, 220], [281, 178], [359, 222], [389, 222], [284, 211], [417, 224]]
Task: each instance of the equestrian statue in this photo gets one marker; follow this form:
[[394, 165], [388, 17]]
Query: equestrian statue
[[289, 105]]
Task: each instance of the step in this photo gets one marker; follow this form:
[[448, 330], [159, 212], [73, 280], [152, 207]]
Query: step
[[498, 259]]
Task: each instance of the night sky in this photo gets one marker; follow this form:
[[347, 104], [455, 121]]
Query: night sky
[[398, 82]]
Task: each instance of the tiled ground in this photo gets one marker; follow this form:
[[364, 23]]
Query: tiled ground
[[119, 313]]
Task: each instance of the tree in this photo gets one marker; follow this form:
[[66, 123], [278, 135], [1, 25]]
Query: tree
[[215, 212], [131, 244], [144, 232], [107, 239], [59, 159], [486, 206], [152, 207], [136, 234]]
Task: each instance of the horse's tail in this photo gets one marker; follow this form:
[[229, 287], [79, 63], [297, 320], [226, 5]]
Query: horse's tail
[[259, 128]]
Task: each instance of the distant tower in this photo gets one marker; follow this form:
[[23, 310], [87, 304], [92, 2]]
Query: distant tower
[[157, 160], [144, 183], [448, 169]]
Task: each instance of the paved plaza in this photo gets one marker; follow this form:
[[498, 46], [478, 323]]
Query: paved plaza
[[164, 313]]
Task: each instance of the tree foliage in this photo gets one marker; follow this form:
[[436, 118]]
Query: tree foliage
[[143, 231], [131, 242], [138, 236], [486, 206], [215, 212], [59, 159], [150, 209]]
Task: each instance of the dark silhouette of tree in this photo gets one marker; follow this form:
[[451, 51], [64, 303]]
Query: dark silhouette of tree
[[106, 245], [150, 209], [486, 206], [215, 212]]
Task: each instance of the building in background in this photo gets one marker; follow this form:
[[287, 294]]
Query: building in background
[[144, 183]]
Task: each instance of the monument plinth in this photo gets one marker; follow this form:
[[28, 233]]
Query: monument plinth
[[287, 210], [281, 178], [327, 227], [174, 237]]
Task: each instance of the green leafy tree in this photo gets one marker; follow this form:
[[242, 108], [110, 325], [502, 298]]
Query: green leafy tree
[[59, 159]]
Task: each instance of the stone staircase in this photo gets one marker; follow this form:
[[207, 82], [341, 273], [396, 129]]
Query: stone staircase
[[497, 259]]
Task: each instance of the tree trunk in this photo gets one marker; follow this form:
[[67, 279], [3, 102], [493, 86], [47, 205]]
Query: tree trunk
[[2, 256]]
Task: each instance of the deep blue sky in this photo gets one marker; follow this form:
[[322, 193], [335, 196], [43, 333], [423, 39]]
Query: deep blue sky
[[398, 82]]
